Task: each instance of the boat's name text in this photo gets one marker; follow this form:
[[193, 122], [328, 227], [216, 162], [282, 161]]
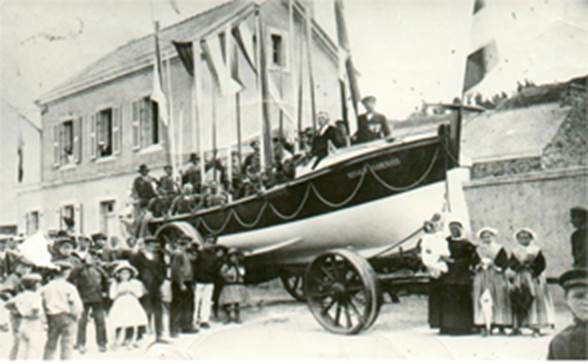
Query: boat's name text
[[389, 163]]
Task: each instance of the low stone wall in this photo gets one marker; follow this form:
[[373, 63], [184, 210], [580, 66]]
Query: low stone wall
[[539, 200]]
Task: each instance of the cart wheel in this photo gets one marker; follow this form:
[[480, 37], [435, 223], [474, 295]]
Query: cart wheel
[[170, 233], [342, 292], [294, 285]]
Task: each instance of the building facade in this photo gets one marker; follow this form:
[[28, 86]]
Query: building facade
[[100, 125]]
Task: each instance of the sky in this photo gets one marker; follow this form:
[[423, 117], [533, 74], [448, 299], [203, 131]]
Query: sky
[[407, 51]]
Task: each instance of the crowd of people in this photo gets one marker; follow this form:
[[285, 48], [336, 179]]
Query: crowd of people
[[193, 191], [486, 288], [145, 288]]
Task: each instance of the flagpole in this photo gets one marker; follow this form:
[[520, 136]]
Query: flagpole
[[237, 108], [310, 63], [196, 60], [157, 78], [291, 47], [171, 130], [228, 101], [300, 96], [265, 142]]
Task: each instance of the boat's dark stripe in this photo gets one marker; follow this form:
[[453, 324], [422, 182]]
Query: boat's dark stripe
[[355, 181]]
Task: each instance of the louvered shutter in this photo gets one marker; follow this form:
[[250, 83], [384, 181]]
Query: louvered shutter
[[77, 139], [56, 145], [116, 130], [93, 142], [136, 124], [78, 219]]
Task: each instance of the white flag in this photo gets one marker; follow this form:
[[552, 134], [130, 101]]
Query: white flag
[[157, 95]]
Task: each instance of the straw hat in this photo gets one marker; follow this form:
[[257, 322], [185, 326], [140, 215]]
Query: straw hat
[[125, 265]]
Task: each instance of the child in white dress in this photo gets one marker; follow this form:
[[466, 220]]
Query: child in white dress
[[126, 314]]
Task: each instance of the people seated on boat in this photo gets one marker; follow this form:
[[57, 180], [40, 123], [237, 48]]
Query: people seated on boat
[[215, 195], [371, 125], [167, 186], [252, 159], [325, 139], [342, 133], [187, 202], [191, 172], [144, 187], [215, 172]]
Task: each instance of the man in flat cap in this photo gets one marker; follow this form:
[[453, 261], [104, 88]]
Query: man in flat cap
[[570, 344], [579, 219], [371, 125]]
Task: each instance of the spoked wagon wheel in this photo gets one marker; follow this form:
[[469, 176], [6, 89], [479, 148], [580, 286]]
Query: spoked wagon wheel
[[294, 284], [170, 233], [342, 292]]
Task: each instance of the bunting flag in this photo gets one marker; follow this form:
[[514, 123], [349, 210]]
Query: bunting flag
[[157, 95], [186, 55], [484, 53], [20, 152], [213, 55], [244, 39], [278, 100]]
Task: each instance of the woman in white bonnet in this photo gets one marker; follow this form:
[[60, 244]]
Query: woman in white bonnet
[[492, 307], [531, 300]]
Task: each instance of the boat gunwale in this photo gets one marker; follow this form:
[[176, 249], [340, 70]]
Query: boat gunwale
[[277, 189]]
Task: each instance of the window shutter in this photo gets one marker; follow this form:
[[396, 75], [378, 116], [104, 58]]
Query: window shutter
[[147, 123], [116, 130], [56, 145], [93, 143], [60, 218], [136, 123], [27, 223], [78, 222], [77, 140]]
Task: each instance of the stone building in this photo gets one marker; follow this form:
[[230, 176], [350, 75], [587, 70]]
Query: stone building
[[101, 124], [530, 166]]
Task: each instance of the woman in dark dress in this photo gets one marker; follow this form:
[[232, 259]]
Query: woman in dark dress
[[456, 306]]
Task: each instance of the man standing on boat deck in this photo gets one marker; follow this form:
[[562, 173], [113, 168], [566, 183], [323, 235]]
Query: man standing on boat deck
[[371, 125], [325, 138]]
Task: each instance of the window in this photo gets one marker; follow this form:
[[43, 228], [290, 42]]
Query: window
[[105, 133], [32, 222], [67, 141], [145, 119], [277, 56], [67, 218], [278, 50], [67, 144], [107, 217]]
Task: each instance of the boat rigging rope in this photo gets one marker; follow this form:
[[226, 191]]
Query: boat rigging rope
[[311, 187], [296, 212], [412, 185], [346, 200], [255, 222]]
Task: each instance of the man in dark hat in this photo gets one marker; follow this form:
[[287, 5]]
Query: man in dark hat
[[63, 250], [570, 344], [371, 125], [579, 238], [192, 173], [92, 283], [149, 262], [182, 289], [143, 188]]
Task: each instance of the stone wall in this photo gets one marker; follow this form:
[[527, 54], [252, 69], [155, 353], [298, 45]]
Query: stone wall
[[539, 200]]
